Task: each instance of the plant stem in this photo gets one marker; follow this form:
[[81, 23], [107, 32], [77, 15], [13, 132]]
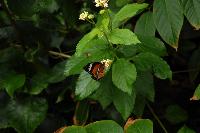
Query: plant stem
[[110, 20], [156, 117], [59, 54], [185, 71]]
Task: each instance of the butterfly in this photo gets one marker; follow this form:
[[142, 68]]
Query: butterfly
[[96, 69]]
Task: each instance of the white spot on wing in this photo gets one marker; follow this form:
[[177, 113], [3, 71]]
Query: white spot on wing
[[90, 67]]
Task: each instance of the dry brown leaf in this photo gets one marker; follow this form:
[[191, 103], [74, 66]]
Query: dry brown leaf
[[61, 130]]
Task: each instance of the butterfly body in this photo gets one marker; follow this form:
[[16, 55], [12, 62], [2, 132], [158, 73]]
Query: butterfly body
[[96, 69]]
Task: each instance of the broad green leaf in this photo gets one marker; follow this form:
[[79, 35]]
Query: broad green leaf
[[161, 69], [194, 64], [103, 93], [104, 126], [123, 102], [85, 85], [24, 115], [124, 75], [145, 25], [11, 54], [129, 50], [191, 10], [139, 106], [196, 95], [39, 82], [145, 86], [121, 3], [175, 114], [75, 65], [97, 49], [85, 40], [58, 72], [127, 12], [75, 129], [152, 44], [185, 129], [168, 18], [12, 82], [123, 36], [141, 126], [151, 62]]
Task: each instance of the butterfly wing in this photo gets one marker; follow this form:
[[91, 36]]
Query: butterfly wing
[[96, 69]]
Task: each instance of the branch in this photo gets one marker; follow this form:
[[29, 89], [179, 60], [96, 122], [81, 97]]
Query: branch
[[156, 117], [59, 54]]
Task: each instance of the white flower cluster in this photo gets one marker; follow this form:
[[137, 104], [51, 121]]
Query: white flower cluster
[[106, 62], [101, 3], [85, 15]]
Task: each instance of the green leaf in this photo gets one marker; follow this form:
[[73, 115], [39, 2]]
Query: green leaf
[[161, 69], [75, 65], [151, 62], [97, 49], [121, 3], [168, 18], [123, 102], [194, 64], [191, 10], [85, 40], [103, 93], [25, 114], [196, 95], [42, 78], [145, 86], [152, 44], [127, 12], [124, 75], [185, 129], [85, 85], [38, 83], [82, 107], [104, 126], [11, 54], [12, 82], [141, 126], [145, 25], [58, 72], [75, 129], [129, 50], [139, 106], [123, 36], [175, 114]]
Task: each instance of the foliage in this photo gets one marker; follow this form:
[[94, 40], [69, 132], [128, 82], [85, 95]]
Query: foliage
[[44, 49], [108, 126]]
